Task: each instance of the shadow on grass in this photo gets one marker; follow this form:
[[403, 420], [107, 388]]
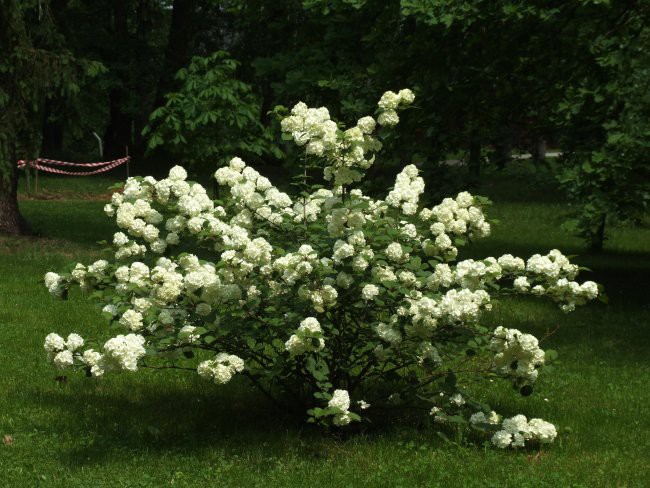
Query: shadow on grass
[[226, 426], [147, 418], [79, 222]]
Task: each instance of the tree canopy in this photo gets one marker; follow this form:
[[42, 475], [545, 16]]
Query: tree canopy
[[199, 79]]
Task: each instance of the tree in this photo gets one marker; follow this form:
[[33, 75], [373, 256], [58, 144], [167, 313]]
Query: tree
[[605, 116], [33, 67], [212, 117]]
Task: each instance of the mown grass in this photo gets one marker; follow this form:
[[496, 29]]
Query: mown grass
[[55, 187], [154, 429]]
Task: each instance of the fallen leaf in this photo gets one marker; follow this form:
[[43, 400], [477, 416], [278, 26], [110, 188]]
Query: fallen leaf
[[7, 440], [537, 458]]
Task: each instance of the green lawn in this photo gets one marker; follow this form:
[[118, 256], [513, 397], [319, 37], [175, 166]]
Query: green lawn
[[155, 429]]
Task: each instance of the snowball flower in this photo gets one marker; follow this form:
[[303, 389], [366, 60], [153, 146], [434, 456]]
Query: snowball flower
[[480, 418], [53, 282], [521, 284], [54, 342], [394, 252], [308, 338], [221, 369], [388, 118], [369, 292], [502, 439], [543, 431], [74, 342], [63, 359], [457, 399], [389, 101], [123, 352], [177, 173], [131, 320], [340, 401], [517, 355], [406, 96], [203, 309], [366, 124], [187, 333], [517, 430], [93, 360]]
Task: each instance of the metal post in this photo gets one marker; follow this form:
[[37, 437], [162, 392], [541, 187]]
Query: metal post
[[101, 145], [28, 165], [36, 171]]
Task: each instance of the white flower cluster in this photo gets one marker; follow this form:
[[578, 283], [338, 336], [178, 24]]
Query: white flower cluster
[[458, 217], [120, 353], [517, 355], [53, 282], [94, 361], [407, 190], [340, 402], [311, 127], [254, 196], [475, 274], [517, 430], [543, 277], [293, 267], [553, 265], [61, 352], [135, 213], [131, 320], [308, 338], [321, 298], [389, 103], [369, 292], [221, 368], [187, 334], [553, 276], [480, 418], [123, 353], [349, 151], [389, 332], [455, 306]]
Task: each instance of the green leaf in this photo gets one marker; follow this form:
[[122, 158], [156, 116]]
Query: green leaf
[[550, 355]]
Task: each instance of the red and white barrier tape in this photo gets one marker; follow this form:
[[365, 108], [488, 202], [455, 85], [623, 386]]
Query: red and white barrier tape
[[103, 166]]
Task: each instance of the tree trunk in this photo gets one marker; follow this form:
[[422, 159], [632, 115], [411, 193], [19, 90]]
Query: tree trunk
[[501, 154], [474, 163], [539, 151], [179, 40], [11, 221], [52, 133], [118, 132]]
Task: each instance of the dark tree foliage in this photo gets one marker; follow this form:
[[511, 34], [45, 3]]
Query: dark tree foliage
[[34, 67], [489, 77]]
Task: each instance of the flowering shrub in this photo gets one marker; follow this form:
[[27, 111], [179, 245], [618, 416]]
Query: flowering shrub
[[341, 303]]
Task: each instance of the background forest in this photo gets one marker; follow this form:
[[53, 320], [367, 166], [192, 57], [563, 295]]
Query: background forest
[[198, 81]]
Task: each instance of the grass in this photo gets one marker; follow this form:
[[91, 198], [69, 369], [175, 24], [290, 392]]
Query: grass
[[54, 187], [155, 429]]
